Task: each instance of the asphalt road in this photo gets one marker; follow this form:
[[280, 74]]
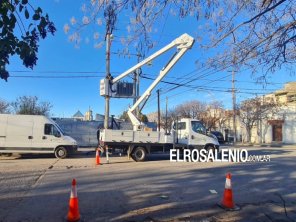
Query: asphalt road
[[37, 188]]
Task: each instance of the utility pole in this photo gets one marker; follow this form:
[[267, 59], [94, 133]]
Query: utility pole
[[136, 86], [166, 115], [234, 91], [234, 105], [158, 109], [107, 97]]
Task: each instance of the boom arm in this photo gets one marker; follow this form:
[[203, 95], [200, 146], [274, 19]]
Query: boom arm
[[183, 43]]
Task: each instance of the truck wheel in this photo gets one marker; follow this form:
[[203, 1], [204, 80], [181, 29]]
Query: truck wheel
[[210, 147], [61, 152], [139, 155]]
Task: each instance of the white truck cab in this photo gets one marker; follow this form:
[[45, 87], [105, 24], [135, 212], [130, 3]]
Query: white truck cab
[[193, 133], [33, 134]]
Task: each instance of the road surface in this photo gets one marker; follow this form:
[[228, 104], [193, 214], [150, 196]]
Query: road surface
[[37, 188]]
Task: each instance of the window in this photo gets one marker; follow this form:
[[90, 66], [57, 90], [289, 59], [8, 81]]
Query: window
[[292, 98], [198, 127], [181, 126], [50, 129]]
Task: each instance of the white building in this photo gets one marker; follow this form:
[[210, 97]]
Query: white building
[[281, 127]]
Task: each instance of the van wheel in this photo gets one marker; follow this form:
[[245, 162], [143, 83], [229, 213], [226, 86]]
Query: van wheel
[[61, 152], [139, 155]]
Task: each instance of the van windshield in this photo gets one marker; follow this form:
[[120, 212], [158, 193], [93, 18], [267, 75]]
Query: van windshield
[[62, 132], [198, 127]]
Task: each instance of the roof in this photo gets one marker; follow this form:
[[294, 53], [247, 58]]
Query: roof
[[78, 114]]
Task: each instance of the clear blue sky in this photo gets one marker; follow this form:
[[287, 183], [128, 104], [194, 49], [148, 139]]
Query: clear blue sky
[[83, 68]]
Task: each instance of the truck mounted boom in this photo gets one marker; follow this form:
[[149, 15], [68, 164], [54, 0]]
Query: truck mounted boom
[[183, 43], [186, 133]]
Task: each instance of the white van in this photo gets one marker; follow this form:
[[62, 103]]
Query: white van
[[33, 134]]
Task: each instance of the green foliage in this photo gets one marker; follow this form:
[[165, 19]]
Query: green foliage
[[29, 105], [13, 14], [143, 118]]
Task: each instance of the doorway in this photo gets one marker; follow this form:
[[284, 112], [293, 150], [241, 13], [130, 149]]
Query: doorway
[[277, 133]]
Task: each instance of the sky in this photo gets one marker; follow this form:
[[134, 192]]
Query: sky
[[68, 77]]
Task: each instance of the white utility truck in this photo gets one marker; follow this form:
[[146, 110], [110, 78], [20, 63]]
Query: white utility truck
[[33, 134], [186, 133]]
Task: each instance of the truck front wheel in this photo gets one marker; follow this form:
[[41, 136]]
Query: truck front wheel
[[139, 155], [61, 152]]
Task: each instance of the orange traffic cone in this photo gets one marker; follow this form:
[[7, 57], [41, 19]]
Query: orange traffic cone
[[73, 213], [98, 162], [227, 202]]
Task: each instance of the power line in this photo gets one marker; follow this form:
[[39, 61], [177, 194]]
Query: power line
[[53, 77], [194, 86], [55, 71], [221, 80], [221, 69]]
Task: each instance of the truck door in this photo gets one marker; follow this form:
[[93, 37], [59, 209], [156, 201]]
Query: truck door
[[197, 134], [182, 132]]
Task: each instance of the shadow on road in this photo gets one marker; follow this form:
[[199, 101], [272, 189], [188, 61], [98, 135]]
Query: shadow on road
[[264, 190]]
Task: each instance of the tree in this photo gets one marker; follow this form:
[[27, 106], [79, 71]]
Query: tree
[[124, 116], [29, 105], [4, 106], [143, 118], [31, 24], [257, 109], [213, 115], [172, 116], [254, 33], [210, 114], [192, 109], [262, 35]]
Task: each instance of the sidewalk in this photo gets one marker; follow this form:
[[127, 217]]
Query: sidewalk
[[263, 145]]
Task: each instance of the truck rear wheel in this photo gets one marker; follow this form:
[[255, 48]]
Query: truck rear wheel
[[139, 155], [61, 152]]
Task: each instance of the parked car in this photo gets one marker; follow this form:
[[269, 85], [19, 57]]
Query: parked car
[[219, 136]]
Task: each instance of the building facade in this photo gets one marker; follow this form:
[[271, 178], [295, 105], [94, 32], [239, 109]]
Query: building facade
[[281, 126]]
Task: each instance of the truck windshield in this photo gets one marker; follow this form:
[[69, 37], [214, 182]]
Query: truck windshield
[[198, 127]]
